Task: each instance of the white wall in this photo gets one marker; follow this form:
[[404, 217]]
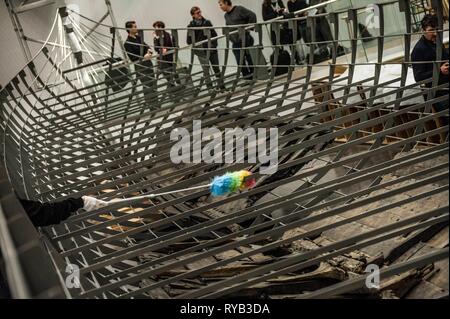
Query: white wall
[[174, 13], [36, 24]]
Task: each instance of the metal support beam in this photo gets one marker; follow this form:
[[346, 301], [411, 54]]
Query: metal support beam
[[19, 30], [33, 5]]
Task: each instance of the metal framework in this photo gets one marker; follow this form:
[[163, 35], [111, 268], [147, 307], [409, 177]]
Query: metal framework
[[100, 125]]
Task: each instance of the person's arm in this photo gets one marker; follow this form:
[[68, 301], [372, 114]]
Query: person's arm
[[127, 46], [252, 17], [51, 213], [268, 13], [173, 42], [146, 47], [129, 51], [157, 44], [168, 42], [210, 25], [148, 53], [291, 7], [213, 33], [281, 4], [47, 214], [302, 5], [247, 15], [188, 37], [169, 45]]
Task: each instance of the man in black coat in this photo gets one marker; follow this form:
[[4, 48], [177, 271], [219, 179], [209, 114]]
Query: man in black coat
[[202, 50], [297, 5], [425, 50], [272, 9], [323, 29], [140, 53], [238, 15], [165, 46]]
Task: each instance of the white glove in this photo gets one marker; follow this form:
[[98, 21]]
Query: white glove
[[91, 203]]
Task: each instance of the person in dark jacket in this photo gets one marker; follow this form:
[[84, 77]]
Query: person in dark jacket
[[297, 5], [207, 52], [323, 31], [272, 10], [425, 50], [237, 15], [139, 52], [165, 45]]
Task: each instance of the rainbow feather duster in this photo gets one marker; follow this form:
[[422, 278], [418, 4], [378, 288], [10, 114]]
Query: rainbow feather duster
[[231, 182], [220, 186]]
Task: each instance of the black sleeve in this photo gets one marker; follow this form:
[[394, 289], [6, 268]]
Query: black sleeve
[[252, 17], [51, 213], [213, 32], [127, 46], [146, 48], [129, 50], [248, 15], [157, 45], [134, 50], [189, 38], [422, 71], [170, 45], [168, 41], [304, 5], [268, 13], [290, 7], [281, 4]]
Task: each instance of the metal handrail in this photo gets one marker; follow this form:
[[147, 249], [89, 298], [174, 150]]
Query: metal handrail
[[245, 26], [319, 5]]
